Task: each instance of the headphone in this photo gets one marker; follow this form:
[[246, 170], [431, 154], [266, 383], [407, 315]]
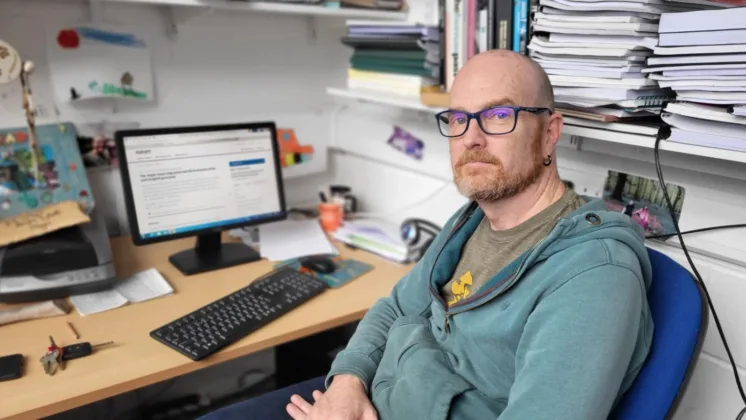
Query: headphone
[[411, 231], [418, 235]]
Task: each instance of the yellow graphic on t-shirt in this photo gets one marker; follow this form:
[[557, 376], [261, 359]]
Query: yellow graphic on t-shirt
[[460, 288]]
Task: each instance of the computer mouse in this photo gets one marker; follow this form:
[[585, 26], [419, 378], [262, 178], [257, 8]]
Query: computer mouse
[[323, 265]]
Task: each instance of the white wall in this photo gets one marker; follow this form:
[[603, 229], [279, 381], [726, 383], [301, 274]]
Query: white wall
[[715, 194], [255, 66]]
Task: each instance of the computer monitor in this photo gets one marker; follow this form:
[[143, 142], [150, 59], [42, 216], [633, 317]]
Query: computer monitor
[[200, 181]]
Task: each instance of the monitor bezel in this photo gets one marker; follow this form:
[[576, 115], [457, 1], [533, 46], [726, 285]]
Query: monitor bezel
[[134, 227]]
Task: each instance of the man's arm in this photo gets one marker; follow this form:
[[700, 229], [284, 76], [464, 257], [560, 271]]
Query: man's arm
[[577, 346], [410, 296], [360, 358]]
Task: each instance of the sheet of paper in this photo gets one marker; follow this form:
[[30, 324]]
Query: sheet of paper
[[99, 61], [709, 73], [600, 13], [145, 285], [650, 42], [292, 239], [590, 49], [695, 67], [702, 49], [601, 6], [706, 140], [696, 125], [704, 112], [696, 59], [630, 18], [92, 303], [38, 222]]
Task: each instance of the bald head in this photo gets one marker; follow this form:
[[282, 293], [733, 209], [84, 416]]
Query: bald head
[[504, 74], [501, 152]]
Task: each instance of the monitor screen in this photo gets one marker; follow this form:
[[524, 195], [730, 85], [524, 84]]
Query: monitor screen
[[204, 180]]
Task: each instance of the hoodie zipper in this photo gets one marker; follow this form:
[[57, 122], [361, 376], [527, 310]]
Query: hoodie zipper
[[453, 231], [448, 313]]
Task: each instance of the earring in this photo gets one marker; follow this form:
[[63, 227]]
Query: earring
[[548, 160]]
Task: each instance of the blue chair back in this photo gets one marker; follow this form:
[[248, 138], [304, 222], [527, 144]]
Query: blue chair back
[[679, 311]]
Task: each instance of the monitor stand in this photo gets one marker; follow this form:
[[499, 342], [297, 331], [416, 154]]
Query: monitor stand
[[209, 253]]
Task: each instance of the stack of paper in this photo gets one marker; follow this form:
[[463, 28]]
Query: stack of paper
[[702, 58], [705, 125], [393, 58], [374, 238], [594, 53], [287, 239], [145, 285]]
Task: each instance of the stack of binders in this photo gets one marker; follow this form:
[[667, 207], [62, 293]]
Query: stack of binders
[[702, 57], [393, 58]]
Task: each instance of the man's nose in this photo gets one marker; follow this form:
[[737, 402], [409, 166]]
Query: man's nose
[[474, 137]]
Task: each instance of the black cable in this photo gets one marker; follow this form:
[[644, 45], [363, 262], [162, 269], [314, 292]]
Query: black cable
[[705, 229], [697, 276]]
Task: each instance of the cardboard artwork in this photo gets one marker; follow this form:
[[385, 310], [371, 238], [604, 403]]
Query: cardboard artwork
[[41, 221]]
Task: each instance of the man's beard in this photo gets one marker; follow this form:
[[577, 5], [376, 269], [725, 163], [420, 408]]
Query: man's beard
[[490, 184]]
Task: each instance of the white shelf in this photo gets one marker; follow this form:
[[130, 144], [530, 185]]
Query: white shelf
[[649, 143], [570, 130], [381, 99], [270, 7]]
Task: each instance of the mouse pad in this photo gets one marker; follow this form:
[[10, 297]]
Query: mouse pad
[[347, 269]]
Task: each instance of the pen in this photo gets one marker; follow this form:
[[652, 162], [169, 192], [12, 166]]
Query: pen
[[322, 196], [72, 330]]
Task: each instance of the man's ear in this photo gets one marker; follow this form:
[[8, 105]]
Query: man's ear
[[554, 129]]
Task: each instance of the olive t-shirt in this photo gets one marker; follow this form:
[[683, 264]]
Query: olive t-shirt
[[488, 251]]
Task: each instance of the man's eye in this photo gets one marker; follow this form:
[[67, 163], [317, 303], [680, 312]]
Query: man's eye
[[458, 119], [500, 114]]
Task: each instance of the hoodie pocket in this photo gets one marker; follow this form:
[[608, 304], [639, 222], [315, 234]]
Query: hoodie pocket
[[415, 379]]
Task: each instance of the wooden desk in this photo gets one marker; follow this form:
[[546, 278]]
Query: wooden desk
[[136, 360]]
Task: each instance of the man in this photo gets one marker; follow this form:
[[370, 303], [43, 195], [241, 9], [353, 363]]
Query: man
[[531, 304]]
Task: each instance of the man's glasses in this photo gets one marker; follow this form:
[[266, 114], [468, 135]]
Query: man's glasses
[[492, 120]]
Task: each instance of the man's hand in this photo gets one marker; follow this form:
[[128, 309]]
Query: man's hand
[[344, 400]]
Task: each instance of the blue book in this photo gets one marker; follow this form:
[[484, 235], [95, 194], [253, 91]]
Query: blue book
[[520, 22]]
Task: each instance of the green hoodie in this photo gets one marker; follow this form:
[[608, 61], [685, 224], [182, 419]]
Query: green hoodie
[[559, 334]]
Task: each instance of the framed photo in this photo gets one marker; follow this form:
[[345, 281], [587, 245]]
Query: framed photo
[[642, 199]]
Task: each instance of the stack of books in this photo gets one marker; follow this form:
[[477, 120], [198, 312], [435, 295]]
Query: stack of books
[[474, 26], [701, 56], [373, 4], [393, 58]]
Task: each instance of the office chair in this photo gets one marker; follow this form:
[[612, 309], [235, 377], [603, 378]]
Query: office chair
[[680, 314]]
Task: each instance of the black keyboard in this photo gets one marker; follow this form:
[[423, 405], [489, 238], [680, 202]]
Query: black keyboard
[[225, 321]]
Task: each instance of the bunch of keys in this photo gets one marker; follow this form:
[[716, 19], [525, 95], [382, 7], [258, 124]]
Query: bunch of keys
[[57, 356], [52, 360]]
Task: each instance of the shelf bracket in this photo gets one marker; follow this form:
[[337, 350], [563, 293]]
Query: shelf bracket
[[576, 142], [95, 11], [170, 21], [311, 27]]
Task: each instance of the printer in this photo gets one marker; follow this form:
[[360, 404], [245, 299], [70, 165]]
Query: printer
[[69, 261]]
